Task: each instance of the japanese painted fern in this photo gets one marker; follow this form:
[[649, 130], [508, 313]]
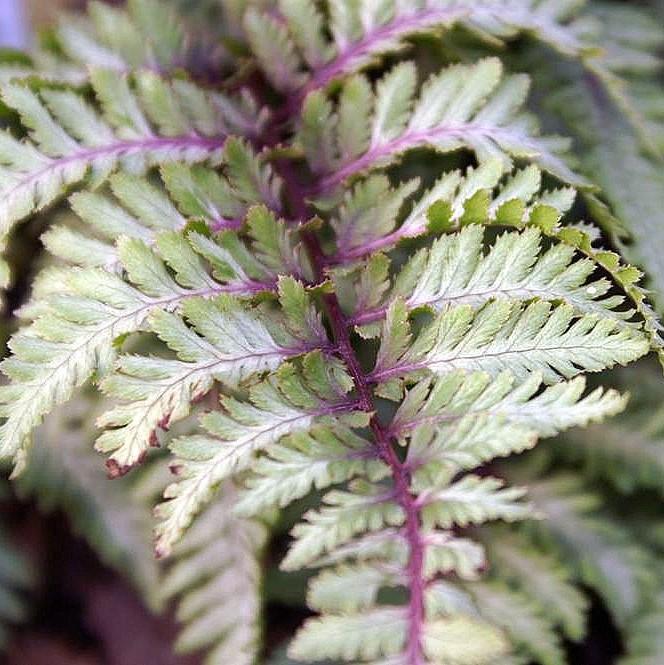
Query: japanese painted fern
[[351, 285]]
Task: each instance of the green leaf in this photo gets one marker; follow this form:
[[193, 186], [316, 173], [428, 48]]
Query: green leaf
[[362, 33], [601, 552], [348, 589], [454, 201], [307, 26], [465, 106], [306, 461], [455, 270], [464, 420], [70, 141], [542, 577], [463, 641], [473, 500], [226, 341], [538, 338], [529, 630], [216, 577], [366, 636], [81, 313], [274, 49], [287, 402], [344, 516]]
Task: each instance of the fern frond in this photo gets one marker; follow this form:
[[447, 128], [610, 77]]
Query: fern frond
[[305, 461], [216, 578], [473, 500], [626, 277], [461, 421], [271, 45], [383, 633], [388, 551], [537, 338], [366, 526], [235, 274], [344, 516], [632, 43], [288, 402], [368, 213], [350, 588], [528, 628], [455, 270], [225, 341], [196, 199], [603, 554], [542, 577], [144, 35], [630, 453], [362, 32], [150, 123], [455, 202], [83, 312], [463, 107], [617, 125], [361, 637], [525, 623]]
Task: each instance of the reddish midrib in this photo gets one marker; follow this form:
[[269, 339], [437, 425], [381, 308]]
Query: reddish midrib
[[400, 473], [399, 28], [89, 155], [409, 140]]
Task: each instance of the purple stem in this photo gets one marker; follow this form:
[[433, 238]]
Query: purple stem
[[226, 224], [368, 316], [374, 246], [411, 139], [400, 471], [372, 44], [118, 150]]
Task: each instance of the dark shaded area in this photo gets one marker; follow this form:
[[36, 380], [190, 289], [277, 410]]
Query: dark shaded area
[[603, 645], [82, 613]]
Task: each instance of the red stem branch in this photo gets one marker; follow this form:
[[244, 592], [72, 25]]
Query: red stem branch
[[401, 474]]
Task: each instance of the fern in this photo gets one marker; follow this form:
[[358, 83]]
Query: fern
[[459, 200], [227, 343], [93, 308], [150, 123], [366, 337], [603, 553], [538, 338], [527, 628], [516, 268], [542, 577], [140, 36], [629, 454], [464, 106], [620, 132], [290, 401], [217, 580], [361, 34]]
